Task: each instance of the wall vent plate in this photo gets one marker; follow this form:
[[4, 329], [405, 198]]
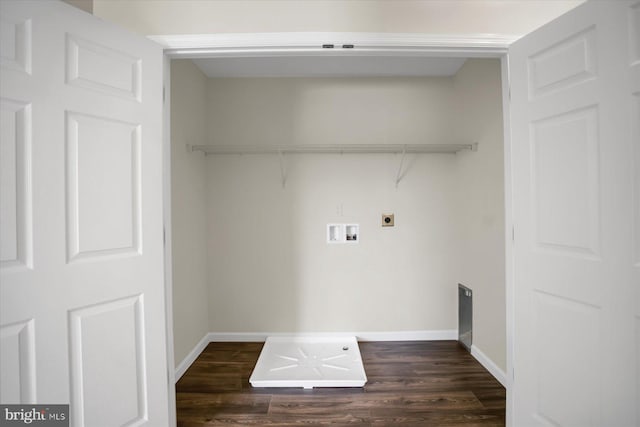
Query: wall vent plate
[[387, 220]]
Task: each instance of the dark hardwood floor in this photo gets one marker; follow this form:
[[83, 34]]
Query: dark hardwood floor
[[417, 383]]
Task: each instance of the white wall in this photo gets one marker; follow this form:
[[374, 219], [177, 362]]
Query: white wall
[[151, 17], [480, 203], [189, 223], [330, 110], [86, 5], [270, 268]]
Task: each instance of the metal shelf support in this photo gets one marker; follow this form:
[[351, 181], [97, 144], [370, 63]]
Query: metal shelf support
[[399, 174], [283, 169]]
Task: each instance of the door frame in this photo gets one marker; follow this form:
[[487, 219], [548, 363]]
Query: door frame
[[305, 44], [166, 229], [311, 44]]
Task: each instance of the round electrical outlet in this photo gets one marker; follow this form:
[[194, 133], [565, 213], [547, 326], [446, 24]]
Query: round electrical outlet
[[387, 220]]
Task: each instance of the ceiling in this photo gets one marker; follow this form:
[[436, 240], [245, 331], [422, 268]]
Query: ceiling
[[329, 66]]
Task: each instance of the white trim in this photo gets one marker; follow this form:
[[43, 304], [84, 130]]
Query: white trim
[[449, 334], [192, 356], [509, 235], [310, 43], [488, 364], [168, 254]]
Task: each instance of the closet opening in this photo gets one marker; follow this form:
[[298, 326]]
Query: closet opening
[[267, 153]]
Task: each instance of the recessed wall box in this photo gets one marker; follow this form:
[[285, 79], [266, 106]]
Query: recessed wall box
[[352, 233], [387, 220], [335, 233], [343, 233]]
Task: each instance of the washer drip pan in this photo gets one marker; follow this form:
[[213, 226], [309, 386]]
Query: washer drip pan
[[309, 362]]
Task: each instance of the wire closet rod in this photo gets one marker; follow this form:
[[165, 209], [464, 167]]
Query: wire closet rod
[[338, 148]]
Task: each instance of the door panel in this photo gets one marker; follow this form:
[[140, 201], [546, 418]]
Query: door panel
[[103, 187], [15, 179], [17, 362], [633, 15], [572, 162], [100, 68], [114, 328], [559, 321], [566, 206], [15, 43], [635, 136], [82, 299], [566, 63]]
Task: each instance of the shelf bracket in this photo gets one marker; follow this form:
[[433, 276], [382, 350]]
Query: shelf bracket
[[283, 168], [399, 175]]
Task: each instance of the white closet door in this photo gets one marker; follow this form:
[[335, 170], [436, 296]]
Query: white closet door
[[574, 119], [82, 290]]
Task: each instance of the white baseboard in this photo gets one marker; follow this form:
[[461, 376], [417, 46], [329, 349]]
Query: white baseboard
[[438, 335], [361, 336], [441, 335], [488, 364], [191, 357]]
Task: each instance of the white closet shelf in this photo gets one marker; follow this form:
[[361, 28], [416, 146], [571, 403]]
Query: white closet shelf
[[281, 150], [340, 148]]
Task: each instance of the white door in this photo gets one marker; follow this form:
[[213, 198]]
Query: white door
[[575, 108], [82, 311]]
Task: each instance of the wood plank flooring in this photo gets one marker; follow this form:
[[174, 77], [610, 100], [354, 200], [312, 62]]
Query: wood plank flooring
[[415, 383]]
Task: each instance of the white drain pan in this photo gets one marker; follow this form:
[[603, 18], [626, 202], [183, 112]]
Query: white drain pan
[[309, 362]]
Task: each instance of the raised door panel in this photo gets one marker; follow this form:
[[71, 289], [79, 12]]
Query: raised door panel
[[103, 187], [107, 346], [15, 42], [633, 14], [107, 70], [15, 180], [635, 137], [567, 370], [635, 132], [565, 183], [17, 363], [569, 62]]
